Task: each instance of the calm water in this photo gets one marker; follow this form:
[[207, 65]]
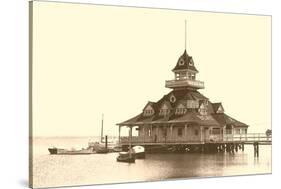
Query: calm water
[[64, 170]]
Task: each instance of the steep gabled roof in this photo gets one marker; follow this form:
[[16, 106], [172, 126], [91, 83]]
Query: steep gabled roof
[[131, 121], [224, 119], [216, 106], [185, 62], [166, 102], [192, 115], [152, 104]]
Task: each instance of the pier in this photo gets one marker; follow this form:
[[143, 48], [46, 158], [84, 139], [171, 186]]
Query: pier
[[227, 143]]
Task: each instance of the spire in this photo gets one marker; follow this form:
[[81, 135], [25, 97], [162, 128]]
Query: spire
[[185, 35]]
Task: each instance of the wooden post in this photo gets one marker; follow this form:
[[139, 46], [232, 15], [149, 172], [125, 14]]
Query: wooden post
[[171, 132], [105, 142], [201, 134], [119, 138], [236, 147], [185, 132], [256, 149], [232, 148], [130, 141], [157, 133], [101, 136], [151, 136]]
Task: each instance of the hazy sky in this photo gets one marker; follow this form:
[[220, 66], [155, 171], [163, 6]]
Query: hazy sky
[[89, 60]]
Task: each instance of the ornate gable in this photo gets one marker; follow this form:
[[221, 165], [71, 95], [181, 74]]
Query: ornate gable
[[165, 108], [218, 108], [148, 109]]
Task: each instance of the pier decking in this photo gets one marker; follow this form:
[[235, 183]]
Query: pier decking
[[249, 138], [228, 143]]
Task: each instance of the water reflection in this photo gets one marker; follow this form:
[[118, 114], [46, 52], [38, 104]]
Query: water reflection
[[50, 170]]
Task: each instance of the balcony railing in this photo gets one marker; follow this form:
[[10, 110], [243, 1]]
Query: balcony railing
[[185, 83], [169, 140]]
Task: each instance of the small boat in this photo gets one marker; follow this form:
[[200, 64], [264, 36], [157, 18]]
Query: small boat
[[139, 152], [126, 157], [102, 150], [117, 148], [61, 151]]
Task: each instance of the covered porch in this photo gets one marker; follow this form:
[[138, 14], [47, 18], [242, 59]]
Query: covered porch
[[176, 133]]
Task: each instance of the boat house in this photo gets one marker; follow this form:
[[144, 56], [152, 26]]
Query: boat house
[[184, 115]]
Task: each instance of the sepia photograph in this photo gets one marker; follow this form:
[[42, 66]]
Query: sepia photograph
[[123, 94]]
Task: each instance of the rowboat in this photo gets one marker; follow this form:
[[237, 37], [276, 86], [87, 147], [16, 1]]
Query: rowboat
[[126, 157], [61, 151]]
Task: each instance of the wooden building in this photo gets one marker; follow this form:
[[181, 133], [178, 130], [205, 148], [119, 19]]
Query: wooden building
[[183, 115]]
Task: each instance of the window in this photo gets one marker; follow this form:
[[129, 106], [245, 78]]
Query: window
[[243, 131], [228, 131], [180, 111], [179, 131], [203, 111], [172, 98], [216, 131], [182, 75], [237, 131], [148, 112], [196, 132], [181, 62], [192, 76], [164, 112], [177, 76], [164, 131], [192, 104]]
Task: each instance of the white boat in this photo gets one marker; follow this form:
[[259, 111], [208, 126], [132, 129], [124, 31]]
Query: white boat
[[139, 152]]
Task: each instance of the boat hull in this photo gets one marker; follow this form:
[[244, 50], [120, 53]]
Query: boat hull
[[140, 155], [57, 151], [102, 151], [126, 159]]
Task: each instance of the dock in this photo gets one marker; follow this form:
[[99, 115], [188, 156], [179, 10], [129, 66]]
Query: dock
[[227, 143]]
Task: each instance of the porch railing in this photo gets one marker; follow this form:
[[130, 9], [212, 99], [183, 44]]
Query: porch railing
[[250, 137]]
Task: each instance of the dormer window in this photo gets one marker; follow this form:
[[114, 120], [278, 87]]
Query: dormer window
[[181, 62], [203, 109], [148, 112], [220, 110], [180, 111], [191, 62], [165, 109], [164, 112]]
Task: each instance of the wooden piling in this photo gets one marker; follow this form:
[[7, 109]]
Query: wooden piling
[[256, 149], [106, 142], [232, 148], [236, 148]]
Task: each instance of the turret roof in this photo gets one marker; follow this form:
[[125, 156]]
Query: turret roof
[[185, 62]]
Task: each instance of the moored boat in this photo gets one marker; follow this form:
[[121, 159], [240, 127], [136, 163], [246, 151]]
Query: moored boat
[[126, 157], [139, 152], [61, 151], [102, 150]]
